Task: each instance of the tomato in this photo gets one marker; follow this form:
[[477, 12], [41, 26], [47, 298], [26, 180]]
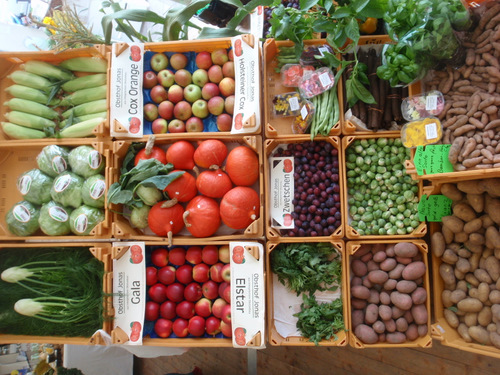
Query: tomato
[[152, 311]]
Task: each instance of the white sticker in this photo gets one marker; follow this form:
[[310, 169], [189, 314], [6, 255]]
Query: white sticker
[[431, 103], [431, 131], [24, 184], [95, 159], [58, 214], [59, 164], [321, 50], [304, 112], [294, 103], [440, 328], [97, 189], [325, 79], [21, 213], [62, 182], [81, 222]]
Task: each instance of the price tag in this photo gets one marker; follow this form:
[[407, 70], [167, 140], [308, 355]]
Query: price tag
[[294, 103], [431, 102], [434, 207], [432, 159], [325, 80], [304, 112], [431, 131]]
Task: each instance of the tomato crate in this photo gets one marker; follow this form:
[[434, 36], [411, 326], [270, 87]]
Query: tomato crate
[[278, 126], [101, 251], [218, 286], [281, 173], [20, 172], [366, 249], [11, 64], [353, 233], [123, 229], [282, 303]]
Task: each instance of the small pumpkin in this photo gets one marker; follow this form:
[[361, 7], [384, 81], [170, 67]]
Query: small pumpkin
[[213, 183], [209, 153], [202, 218], [239, 207], [154, 152], [165, 219], [182, 188], [242, 166], [180, 154]]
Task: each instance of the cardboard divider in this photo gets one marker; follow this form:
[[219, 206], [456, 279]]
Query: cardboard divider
[[272, 144], [424, 341], [101, 251], [279, 127], [274, 338], [352, 233], [16, 159], [10, 62], [121, 227]]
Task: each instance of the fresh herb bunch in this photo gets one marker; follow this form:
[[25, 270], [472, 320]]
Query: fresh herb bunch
[[320, 321], [307, 267], [400, 65]]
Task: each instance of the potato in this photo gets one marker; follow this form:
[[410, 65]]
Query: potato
[[405, 250], [357, 318], [459, 275], [406, 286], [422, 329], [451, 191], [461, 237], [360, 291], [494, 296], [379, 326], [472, 280], [414, 271], [484, 316], [462, 285], [463, 331], [411, 332], [404, 260], [492, 186], [403, 301], [474, 261], [451, 318], [495, 312], [474, 292], [408, 316], [470, 304], [356, 281], [476, 238], [462, 265], [395, 338], [371, 313], [449, 256], [438, 244], [464, 212], [359, 268], [445, 298], [476, 201], [385, 312], [464, 253], [483, 292], [470, 319], [363, 250], [372, 266], [471, 186], [457, 295], [483, 276], [374, 297], [397, 312], [366, 334], [419, 296], [390, 284], [385, 299], [388, 264], [479, 334], [492, 237], [492, 208], [397, 271], [389, 250], [367, 283], [495, 339], [365, 258], [378, 276], [448, 234], [453, 223], [492, 327], [358, 303], [379, 256]]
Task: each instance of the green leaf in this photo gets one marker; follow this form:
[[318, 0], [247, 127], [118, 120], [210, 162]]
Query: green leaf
[[210, 32], [362, 92], [235, 3], [161, 182], [359, 5], [341, 12], [307, 4], [138, 15], [177, 17], [375, 9], [352, 30], [349, 92]]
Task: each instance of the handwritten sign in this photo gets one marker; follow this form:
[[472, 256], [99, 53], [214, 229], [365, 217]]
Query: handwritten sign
[[432, 159], [434, 207]]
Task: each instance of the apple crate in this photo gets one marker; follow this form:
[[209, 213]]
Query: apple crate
[[279, 127], [218, 280], [281, 214], [364, 248], [122, 228], [352, 233], [16, 159], [282, 304], [12, 62], [101, 251]]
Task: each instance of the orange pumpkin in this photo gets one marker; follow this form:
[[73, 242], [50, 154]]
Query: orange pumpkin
[[180, 154], [242, 166], [202, 218], [182, 188], [213, 183], [239, 207], [151, 153], [165, 219], [209, 153]]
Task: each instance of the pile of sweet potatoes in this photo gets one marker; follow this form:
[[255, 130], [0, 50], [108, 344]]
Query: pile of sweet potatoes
[[468, 247], [388, 294], [470, 118]]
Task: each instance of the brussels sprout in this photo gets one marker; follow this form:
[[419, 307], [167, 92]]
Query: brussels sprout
[[54, 219], [53, 160], [93, 191], [22, 218], [85, 161], [34, 186], [84, 219], [67, 189]]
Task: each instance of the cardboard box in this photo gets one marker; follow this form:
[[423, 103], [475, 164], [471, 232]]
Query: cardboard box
[[122, 229], [130, 260], [277, 299], [17, 158]]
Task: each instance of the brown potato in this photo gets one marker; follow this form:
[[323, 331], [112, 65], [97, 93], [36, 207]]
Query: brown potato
[[470, 304], [471, 279], [462, 265], [446, 298], [492, 208], [463, 331], [483, 276], [494, 296], [492, 186], [464, 253], [464, 212], [473, 225], [403, 301], [474, 261], [479, 334], [451, 318], [495, 339], [457, 295], [453, 223], [448, 234], [470, 319], [414, 271], [395, 338], [471, 186], [492, 237], [483, 292], [451, 191], [476, 201], [462, 285], [476, 238], [438, 244], [449, 256], [484, 316], [366, 334]]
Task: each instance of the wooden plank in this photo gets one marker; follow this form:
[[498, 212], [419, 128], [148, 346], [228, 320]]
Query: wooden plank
[[267, 362]]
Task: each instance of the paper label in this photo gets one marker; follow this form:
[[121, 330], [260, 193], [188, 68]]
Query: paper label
[[432, 159], [126, 101], [97, 189], [325, 80], [434, 207], [129, 291], [257, 22], [24, 184], [431, 102], [81, 222], [304, 112], [322, 50], [294, 103], [21, 213], [246, 117], [248, 300], [95, 159], [58, 214], [62, 182], [59, 164], [431, 131], [282, 192]]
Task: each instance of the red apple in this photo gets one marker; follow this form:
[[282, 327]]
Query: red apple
[[212, 325], [226, 329], [166, 110], [167, 310], [216, 105], [185, 309], [149, 80], [159, 257], [184, 274], [150, 111], [158, 94], [227, 86], [152, 311], [217, 307], [182, 110], [224, 122], [196, 326], [215, 74], [157, 292], [193, 292], [180, 327], [200, 77], [200, 273], [177, 256], [183, 77], [226, 273], [216, 272], [200, 108], [203, 60], [163, 327], [228, 69], [210, 289], [176, 126], [226, 314], [194, 124], [166, 275], [159, 126], [229, 104], [209, 90], [175, 93], [224, 254], [219, 56], [178, 61], [175, 292], [222, 286], [158, 61], [226, 294], [193, 254], [166, 78], [203, 307], [192, 93], [210, 254], [151, 275]]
